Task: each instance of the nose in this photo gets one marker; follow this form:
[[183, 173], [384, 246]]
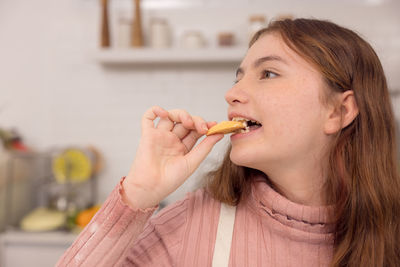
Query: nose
[[236, 94]]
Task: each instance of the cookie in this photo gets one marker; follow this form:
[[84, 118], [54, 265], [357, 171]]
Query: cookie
[[226, 127]]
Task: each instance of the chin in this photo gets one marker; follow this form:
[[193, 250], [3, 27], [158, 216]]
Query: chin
[[243, 158]]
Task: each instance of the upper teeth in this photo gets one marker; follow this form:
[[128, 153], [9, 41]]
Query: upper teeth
[[243, 120]]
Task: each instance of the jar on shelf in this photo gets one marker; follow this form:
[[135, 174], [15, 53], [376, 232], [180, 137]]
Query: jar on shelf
[[160, 33], [124, 32], [193, 40], [256, 23], [226, 39], [284, 16]]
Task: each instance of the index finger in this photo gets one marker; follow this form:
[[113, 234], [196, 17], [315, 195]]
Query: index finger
[[151, 114], [182, 116]]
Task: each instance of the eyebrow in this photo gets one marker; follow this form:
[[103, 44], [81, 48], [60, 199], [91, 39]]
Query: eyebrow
[[261, 60]]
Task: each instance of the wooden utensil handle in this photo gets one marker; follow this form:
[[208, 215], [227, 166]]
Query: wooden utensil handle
[[105, 32], [137, 35]]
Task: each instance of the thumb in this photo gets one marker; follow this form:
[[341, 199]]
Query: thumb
[[200, 152]]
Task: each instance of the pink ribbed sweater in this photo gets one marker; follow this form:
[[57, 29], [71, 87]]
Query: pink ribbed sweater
[[269, 230]]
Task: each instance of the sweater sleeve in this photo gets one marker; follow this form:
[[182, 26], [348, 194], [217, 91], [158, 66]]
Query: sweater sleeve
[[121, 236], [104, 240]]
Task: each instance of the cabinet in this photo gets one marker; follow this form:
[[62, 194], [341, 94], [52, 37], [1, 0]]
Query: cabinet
[[24, 249]]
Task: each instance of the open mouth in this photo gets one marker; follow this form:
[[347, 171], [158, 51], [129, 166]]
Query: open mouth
[[250, 125]]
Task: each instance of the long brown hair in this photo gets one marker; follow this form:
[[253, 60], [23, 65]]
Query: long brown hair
[[362, 178]]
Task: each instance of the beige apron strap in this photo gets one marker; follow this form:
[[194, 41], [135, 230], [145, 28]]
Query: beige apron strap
[[224, 236]]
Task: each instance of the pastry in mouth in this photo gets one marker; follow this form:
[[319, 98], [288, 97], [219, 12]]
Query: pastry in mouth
[[236, 125]]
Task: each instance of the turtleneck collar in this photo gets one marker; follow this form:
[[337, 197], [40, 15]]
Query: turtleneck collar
[[267, 202]]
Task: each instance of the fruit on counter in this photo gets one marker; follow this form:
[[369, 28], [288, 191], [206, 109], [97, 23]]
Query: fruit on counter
[[12, 140], [84, 217], [73, 164], [43, 219]]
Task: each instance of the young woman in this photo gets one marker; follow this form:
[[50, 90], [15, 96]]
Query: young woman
[[314, 182]]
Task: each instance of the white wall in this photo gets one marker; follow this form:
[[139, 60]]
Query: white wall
[[55, 94]]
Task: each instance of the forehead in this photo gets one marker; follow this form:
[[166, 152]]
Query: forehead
[[272, 44]]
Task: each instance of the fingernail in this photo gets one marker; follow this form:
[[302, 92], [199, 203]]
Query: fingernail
[[204, 126]]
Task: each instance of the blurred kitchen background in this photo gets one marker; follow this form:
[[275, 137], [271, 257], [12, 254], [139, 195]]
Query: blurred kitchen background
[[77, 75]]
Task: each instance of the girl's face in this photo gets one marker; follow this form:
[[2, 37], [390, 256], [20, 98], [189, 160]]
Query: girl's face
[[281, 91]]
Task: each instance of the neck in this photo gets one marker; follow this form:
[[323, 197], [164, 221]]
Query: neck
[[299, 185]]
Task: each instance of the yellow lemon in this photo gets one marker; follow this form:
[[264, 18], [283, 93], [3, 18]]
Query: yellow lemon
[[73, 165]]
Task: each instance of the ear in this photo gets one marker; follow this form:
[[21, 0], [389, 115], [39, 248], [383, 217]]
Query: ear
[[341, 115]]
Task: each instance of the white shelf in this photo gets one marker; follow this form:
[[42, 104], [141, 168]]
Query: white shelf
[[215, 56], [142, 56]]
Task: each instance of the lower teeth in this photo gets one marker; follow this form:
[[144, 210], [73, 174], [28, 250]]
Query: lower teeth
[[245, 130]]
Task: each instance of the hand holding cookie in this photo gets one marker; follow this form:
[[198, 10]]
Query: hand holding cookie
[[167, 155]]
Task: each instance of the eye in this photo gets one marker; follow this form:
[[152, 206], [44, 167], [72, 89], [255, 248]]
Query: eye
[[237, 80], [266, 74]]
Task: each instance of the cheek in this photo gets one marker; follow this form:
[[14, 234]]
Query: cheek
[[294, 112]]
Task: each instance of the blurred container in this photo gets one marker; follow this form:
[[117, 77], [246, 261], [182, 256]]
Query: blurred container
[[284, 16], [256, 23], [21, 176], [160, 33], [27, 182], [124, 32], [193, 40], [74, 186], [226, 39]]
